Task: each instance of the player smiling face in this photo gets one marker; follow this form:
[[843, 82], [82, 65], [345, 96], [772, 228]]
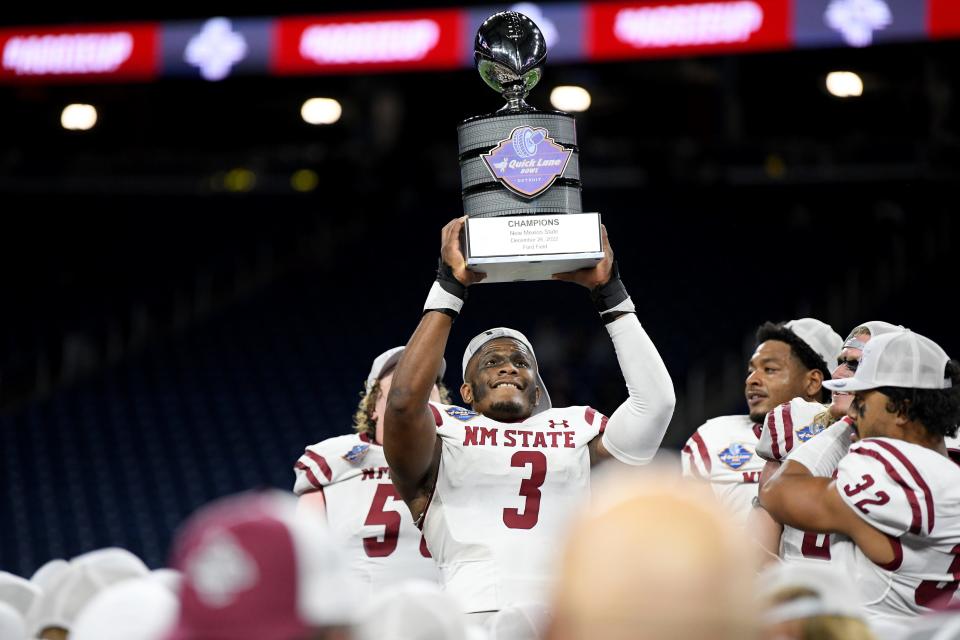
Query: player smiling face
[[847, 363], [774, 376], [501, 381]]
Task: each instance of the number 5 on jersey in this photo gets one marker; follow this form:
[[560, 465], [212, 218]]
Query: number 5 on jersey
[[390, 520]]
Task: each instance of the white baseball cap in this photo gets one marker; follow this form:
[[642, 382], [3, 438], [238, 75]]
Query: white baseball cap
[[84, 577], [47, 575], [503, 332], [835, 593], [414, 609], [18, 592], [900, 359], [389, 359], [819, 336], [140, 608], [12, 624]]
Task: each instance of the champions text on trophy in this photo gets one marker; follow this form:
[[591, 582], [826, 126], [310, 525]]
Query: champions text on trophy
[[519, 168]]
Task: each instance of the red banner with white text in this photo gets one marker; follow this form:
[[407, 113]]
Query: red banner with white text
[[683, 27], [368, 42], [81, 52]]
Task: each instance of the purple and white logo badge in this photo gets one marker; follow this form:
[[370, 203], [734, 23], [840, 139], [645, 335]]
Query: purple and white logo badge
[[527, 162]]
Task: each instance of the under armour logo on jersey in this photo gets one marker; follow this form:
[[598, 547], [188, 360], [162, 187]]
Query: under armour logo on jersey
[[735, 455], [357, 453], [562, 423]]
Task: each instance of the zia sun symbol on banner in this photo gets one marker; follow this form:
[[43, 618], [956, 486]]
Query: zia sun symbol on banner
[[856, 20]]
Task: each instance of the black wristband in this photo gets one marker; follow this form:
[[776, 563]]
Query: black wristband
[[609, 295], [449, 282]]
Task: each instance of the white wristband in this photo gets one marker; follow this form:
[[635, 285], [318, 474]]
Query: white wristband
[[439, 299], [823, 453]]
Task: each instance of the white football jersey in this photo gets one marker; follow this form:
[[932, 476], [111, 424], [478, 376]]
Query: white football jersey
[[723, 452], [787, 427], [504, 495], [912, 494], [364, 509]]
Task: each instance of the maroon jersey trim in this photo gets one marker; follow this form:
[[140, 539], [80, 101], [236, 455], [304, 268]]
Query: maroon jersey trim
[[320, 462], [309, 472], [787, 428], [702, 448], [772, 428], [912, 470], [907, 489]]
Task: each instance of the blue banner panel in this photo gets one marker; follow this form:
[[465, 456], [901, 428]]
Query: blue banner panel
[[216, 48], [857, 23]]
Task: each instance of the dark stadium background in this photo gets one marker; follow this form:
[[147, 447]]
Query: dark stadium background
[[165, 341]]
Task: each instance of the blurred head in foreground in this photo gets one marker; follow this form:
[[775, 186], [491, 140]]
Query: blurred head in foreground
[[412, 610], [655, 558], [810, 602], [255, 569]]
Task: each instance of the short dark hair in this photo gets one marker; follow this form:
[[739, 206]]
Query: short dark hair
[[938, 410], [800, 349]]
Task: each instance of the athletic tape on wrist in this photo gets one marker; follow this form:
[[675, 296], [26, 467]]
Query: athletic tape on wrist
[[440, 300], [612, 296]]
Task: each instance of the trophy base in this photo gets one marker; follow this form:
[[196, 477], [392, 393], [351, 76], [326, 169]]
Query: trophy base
[[523, 248]]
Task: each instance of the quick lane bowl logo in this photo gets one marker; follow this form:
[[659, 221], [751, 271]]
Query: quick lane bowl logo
[[856, 20], [809, 431], [528, 162], [357, 453], [735, 455], [460, 413]]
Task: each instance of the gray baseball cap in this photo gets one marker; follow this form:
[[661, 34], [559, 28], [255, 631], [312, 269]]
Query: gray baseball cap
[[503, 332], [875, 327], [819, 336], [389, 359], [899, 359]]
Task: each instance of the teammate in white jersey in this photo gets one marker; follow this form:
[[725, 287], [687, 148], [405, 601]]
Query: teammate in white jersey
[[790, 361], [347, 478], [502, 478], [789, 426], [896, 492]]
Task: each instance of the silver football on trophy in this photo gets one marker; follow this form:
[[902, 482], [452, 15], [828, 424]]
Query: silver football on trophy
[[509, 53]]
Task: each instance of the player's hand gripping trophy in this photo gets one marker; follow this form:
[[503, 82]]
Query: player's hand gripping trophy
[[519, 168]]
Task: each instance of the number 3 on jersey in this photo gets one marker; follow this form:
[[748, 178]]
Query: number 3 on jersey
[[529, 488]]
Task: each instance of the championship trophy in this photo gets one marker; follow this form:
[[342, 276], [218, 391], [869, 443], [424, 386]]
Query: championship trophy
[[519, 168]]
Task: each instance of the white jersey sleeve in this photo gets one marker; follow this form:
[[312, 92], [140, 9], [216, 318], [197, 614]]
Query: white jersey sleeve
[[884, 488], [331, 461], [787, 427], [312, 471], [721, 451], [695, 459]]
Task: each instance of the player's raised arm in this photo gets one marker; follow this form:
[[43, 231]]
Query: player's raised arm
[[410, 435], [637, 427]]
